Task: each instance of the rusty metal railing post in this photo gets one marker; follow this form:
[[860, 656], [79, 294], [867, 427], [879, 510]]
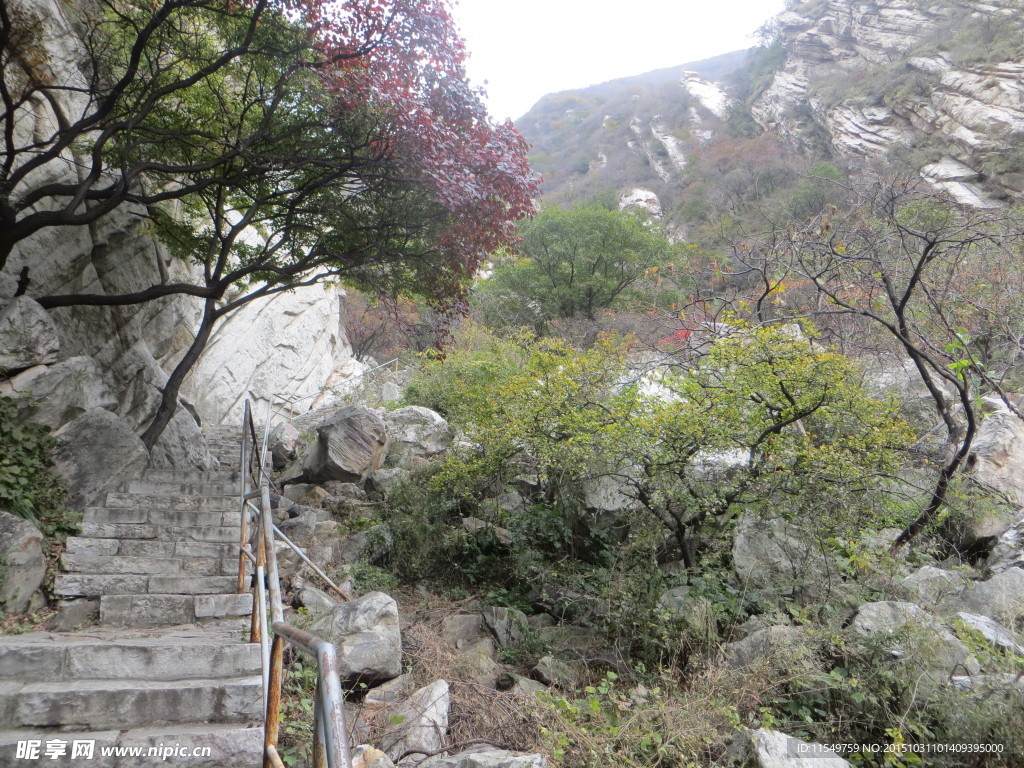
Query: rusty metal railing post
[[273, 714], [243, 494]]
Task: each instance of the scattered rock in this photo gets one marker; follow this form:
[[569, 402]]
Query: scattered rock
[[314, 600], [929, 585], [764, 646], [1000, 598], [419, 724], [486, 757], [510, 503], [774, 749], [22, 567], [28, 336], [366, 634], [551, 671], [389, 692], [284, 443], [509, 681], [508, 625], [995, 633], [365, 756], [385, 481], [924, 642], [88, 473], [777, 556], [351, 443], [341, 490], [417, 434], [474, 526], [462, 628]]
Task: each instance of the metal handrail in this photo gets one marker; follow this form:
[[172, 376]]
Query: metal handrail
[[330, 740]]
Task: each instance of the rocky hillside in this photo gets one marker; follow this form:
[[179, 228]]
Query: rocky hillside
[[928, 87], [936, 83]]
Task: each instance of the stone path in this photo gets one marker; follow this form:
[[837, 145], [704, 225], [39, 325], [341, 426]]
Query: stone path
[[167, 663]]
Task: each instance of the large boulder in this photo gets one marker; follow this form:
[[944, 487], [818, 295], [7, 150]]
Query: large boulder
[[95, 453], [774, 749], [418, 724], [56, 394], [367, 636], [28, 336], [22, 567], [930, 586], [779, 557], [284, 443], [417, 435], [508, 625], [182, 445], [351, 443], [775, 646], [918, 638]]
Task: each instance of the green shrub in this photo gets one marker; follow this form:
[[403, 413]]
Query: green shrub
[[27, 486]]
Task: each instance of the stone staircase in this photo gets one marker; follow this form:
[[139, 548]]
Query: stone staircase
[[167, 666]]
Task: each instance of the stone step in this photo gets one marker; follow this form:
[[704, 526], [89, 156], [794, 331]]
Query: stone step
[[182, 487], [178, 654], [164, 533], [174, 517], [185, 476], [146, 610], [231, 745], [83, 545], [183, 502], [121, 704], [94, 585], [153, 566]]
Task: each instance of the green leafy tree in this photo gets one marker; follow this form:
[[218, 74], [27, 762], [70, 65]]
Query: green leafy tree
[[577, 263], [765, 420]]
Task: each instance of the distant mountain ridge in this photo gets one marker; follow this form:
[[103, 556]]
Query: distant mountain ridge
[[928, 87]]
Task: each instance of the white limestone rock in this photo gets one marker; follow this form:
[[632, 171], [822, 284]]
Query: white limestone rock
[[416, 435], [57, 394], [419, 724], [367, 636], [289, 344]]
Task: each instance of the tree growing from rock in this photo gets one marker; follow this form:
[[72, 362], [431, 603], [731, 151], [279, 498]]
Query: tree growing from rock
[[932, 282], [270, 145]]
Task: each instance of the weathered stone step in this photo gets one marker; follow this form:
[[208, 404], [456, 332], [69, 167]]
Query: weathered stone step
[[229, 476], [83, 545], [98, 655], [179, 488], [183, 502], [101, 704], [140, 610], [94, 585], [153, 566], [165, 533], [157, 516], [231, 745]]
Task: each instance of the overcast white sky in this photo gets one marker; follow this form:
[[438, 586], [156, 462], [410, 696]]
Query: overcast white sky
[[527, 48]]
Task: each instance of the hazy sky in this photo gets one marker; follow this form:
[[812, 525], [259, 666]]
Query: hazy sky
[[527, 48]]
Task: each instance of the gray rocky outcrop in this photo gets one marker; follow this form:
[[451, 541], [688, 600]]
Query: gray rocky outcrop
[[930, 586], [508, 625], [351, 443], [367, 636], [22, 567], [969, 108], [418, 724], [95, 453], [416, 435], [28, 336], [57, 394]]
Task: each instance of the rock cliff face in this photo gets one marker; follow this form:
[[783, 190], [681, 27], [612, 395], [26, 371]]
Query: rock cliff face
[[945, 77], [117, 359]]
